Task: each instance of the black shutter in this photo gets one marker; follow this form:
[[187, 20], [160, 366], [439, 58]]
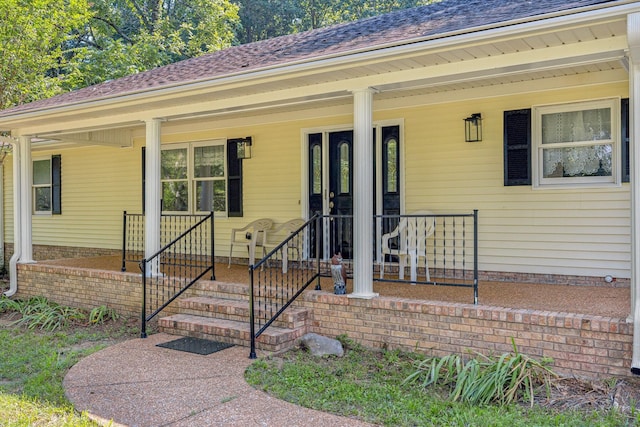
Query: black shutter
[[624, 132], [517, 147], [234, 180], [56, 184], [144, 177]]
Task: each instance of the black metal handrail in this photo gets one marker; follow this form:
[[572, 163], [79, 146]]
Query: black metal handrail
[[281, 276], [439, 241], [133, 232], [168, 273]]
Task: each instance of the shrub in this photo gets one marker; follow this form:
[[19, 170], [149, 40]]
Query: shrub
[[485, 379]]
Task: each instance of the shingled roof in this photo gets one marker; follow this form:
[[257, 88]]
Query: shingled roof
[[396, 28]]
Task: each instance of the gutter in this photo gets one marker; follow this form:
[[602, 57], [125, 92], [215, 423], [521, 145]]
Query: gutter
[[17, 220]]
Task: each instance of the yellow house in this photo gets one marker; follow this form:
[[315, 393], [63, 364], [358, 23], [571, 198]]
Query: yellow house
[[523, 111]]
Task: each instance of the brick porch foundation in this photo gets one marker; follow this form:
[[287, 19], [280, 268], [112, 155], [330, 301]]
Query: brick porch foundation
[[580, 344]]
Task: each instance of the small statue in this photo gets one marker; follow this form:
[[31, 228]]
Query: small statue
[[339, 274]]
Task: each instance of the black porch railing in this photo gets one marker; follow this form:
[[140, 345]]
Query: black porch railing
[[133, 234], [431, 249], [422, 248], [173, 269], [280, 277]]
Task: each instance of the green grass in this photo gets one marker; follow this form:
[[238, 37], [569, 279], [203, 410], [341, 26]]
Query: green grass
[[35, 359], [371, 385]]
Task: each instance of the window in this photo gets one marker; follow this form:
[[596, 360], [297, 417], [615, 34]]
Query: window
[[576, 144], [46, 185], [194, 177]]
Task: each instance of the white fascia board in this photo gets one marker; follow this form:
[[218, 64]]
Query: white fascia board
[[469, 36]]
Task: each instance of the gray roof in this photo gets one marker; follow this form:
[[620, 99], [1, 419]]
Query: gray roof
[[396, 28]]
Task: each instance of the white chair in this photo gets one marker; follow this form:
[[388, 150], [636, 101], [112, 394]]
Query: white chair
[[250, 236], [278, 234], [412, 234]]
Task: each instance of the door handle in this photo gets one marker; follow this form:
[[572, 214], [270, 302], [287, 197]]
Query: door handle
[[331, 195], [330, 205]]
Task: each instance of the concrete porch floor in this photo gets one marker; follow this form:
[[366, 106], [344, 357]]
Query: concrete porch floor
[[593, 300]]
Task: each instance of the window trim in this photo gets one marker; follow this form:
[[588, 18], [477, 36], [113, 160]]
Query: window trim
[[192, 180], [539, 182], [35, 186]]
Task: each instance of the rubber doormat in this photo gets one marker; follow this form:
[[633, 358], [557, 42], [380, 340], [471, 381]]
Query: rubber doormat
[[195, 345]]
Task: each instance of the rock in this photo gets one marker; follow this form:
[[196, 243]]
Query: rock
[[322, 346]]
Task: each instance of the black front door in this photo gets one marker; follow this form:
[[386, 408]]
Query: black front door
[[341, 192], [331, 186]]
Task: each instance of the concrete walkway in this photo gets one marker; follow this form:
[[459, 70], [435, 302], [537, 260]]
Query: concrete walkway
[[136, 383]]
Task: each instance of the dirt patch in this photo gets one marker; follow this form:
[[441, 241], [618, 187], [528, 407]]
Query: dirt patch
[[622, 395]]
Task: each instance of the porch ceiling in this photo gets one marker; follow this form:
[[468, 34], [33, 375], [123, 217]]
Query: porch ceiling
[[448, 66]]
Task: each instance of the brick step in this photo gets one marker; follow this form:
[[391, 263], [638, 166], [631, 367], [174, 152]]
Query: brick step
[[219, 289], [273, 339], [230, 290], [238, 310]]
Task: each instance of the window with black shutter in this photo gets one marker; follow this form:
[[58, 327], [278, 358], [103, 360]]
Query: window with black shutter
[[517, 147]]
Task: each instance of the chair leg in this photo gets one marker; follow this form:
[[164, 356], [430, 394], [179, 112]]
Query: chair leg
[[230, 252], [426, 268], [382, 267]]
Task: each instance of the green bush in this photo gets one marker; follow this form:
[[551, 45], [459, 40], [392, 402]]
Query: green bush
[[102, 314]]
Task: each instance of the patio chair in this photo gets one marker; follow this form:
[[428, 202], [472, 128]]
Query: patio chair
[[278, 234], [411, 235], [250, 236]]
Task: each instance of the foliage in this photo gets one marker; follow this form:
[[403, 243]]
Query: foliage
[[31, 40], [125, 37], [102, 314], [370, 385], [263, 19], [39, 312], [500, 380]]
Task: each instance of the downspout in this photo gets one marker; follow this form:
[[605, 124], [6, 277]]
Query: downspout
[[17, 222], [633, 37]]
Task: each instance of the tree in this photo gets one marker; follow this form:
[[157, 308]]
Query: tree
[[262, 19], [31, 39], [128, 36]]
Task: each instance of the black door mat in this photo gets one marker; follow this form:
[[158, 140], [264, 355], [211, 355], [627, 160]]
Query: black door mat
[[195, 345]]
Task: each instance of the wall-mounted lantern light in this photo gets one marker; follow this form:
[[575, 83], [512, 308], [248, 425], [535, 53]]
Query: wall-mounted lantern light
[[244, 148], [473, 128]]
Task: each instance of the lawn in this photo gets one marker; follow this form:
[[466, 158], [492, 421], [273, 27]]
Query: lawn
[[372, 385], [34, 361]]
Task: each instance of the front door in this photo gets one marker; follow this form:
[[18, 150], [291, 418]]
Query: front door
[[330, 168], [341, 192]]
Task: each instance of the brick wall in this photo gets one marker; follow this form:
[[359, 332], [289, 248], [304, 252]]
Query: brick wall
[[581, 345], [82, 288]]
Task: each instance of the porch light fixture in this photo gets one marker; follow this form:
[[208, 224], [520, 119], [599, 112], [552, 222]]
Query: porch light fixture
[[473, 128], [244, 148]]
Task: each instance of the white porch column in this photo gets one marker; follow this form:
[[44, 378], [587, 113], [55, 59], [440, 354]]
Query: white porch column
[[363, 194], [26, 200], [153, 193], [633, 36]]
